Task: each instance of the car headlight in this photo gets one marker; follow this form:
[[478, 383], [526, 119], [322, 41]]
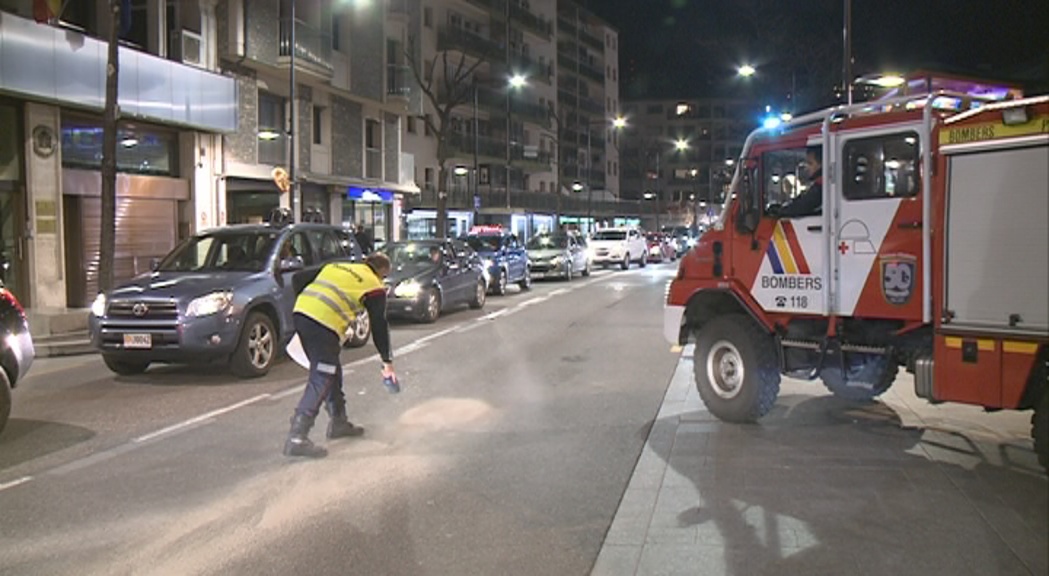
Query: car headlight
[[98, 307], [210, 304], [409, 289], [557, 260]]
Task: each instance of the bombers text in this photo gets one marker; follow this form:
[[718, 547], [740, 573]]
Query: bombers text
[[792, 282]]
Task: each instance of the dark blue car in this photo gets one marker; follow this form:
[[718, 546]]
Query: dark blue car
[[504, 257]]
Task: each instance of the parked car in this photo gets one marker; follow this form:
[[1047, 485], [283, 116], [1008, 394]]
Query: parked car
[[224, 295], [16, 349], [557, 256], [431, 276], [503, 255], [618, 246], [660, 248]]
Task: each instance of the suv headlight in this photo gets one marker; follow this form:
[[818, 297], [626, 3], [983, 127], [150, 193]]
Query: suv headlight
[[409, 289], [98, 307], [210, 304]]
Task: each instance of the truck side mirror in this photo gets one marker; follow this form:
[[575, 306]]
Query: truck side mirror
[[749, 213]]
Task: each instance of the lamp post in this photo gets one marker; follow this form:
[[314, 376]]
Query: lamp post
[[618, 123], [296, 194], [516, 81]]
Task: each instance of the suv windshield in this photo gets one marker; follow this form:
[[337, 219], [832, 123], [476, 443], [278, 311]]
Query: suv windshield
[[610, 235], [243, 252], [546, 242], [485, 243]]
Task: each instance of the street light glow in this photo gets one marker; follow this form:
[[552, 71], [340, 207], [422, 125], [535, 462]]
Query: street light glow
[[746, 70], [619, 122], [461, 171], [681, 144], [888, 80], [517, 81], [577, 186]]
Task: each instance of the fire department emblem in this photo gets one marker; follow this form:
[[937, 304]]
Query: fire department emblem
[[897, 278]]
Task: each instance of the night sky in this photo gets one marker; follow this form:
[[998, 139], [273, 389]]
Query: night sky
[[689, 48]]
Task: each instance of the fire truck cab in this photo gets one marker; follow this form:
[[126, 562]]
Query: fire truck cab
[[929, 250]]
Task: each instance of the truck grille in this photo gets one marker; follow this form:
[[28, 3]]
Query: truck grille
[[144, 310], [159, 318]]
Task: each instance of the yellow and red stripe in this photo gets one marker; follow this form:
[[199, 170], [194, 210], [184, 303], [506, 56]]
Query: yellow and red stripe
[[785, 253]]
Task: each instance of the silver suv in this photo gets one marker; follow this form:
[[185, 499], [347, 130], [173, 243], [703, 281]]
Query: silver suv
[[223, 295]]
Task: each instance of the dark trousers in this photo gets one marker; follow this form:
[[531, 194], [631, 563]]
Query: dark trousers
[[322, 347]]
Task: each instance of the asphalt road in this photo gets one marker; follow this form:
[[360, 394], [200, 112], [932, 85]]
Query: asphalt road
[[507, 452]]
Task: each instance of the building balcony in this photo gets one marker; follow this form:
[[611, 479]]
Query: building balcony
[[399, 81], [451, 38], [312, 47]]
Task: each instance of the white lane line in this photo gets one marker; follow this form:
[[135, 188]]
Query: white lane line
[[14, 483], [437, 335], [201, 418], [560, 291], [533, 301], [496, 314]]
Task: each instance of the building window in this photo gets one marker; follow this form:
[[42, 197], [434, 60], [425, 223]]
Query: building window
[[654, 109], [428, 17], [318, 125], [410, 124], [428, 182], [373, 148], [271, 133], [335, 33], [542, 186], [881, 167], [427, 129], [141, 149]]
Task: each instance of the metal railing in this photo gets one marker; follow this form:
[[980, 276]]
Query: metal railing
[[398, 80], [312, 46]]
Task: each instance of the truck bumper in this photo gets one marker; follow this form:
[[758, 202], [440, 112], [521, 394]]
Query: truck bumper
[[672, 316]]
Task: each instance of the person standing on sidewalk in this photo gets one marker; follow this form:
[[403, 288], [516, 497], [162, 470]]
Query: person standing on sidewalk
[[323, 312]]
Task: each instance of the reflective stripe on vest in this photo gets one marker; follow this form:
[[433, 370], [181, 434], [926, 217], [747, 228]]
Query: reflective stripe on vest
[[333, 299]]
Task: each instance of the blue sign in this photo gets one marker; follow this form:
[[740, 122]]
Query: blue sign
[[369, 194]]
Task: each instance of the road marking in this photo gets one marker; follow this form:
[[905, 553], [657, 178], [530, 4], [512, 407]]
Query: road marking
[[201, 418], [296, 389], [14, 483]]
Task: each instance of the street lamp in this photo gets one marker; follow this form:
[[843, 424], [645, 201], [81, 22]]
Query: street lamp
[[515, 81], [618, 123], [746, 70]]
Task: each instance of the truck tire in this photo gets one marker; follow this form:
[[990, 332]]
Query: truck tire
[[736, 368], [863, 382], [256, 349], [5, 399], [1040, 429], [359, 331], [125, 367]]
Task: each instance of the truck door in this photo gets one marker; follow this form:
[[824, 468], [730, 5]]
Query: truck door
[[877, 228], [791, 276]]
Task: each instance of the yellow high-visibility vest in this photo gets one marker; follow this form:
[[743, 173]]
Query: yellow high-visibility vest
[[334, 297]]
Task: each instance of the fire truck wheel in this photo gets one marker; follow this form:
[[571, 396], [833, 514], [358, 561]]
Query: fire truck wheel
[[736, 369], [1040, 429], [867, 378]]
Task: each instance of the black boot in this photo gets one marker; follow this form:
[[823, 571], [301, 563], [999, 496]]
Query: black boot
[[298, 442], [339, 426]]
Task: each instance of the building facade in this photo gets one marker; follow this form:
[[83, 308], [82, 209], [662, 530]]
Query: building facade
[[514, 149], [206, 116], [677, 152]]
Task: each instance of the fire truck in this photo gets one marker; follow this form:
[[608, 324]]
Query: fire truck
[[929, 251]]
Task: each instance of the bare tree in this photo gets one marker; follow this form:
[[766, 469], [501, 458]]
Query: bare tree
[[445, 89], [558, 121], [107, 240]]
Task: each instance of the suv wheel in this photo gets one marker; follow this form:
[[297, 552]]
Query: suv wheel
[[526, 282], [257, 347], [480, 293], [5, 399], [125, 367], [500, 284], [359, 331], [644, 259], [626, 261]]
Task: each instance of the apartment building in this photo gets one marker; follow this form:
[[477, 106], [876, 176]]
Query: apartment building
[[329, 111], [174, 105], [504, 140], [675, 152], [210, 105]]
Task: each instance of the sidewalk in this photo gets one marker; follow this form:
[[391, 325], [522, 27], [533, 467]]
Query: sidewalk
[[823, 487]]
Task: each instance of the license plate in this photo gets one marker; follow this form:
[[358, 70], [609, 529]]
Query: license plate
[[138, 340]]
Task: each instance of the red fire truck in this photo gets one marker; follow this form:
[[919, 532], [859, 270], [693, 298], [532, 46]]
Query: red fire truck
[[929, 250]]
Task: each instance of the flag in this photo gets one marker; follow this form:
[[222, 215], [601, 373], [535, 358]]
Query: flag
[[46, 10]]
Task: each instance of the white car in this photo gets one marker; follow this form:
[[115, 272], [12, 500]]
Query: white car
[[618, 246]]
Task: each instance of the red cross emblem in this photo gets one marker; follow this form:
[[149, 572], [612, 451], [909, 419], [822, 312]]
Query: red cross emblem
[[843, 248]]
